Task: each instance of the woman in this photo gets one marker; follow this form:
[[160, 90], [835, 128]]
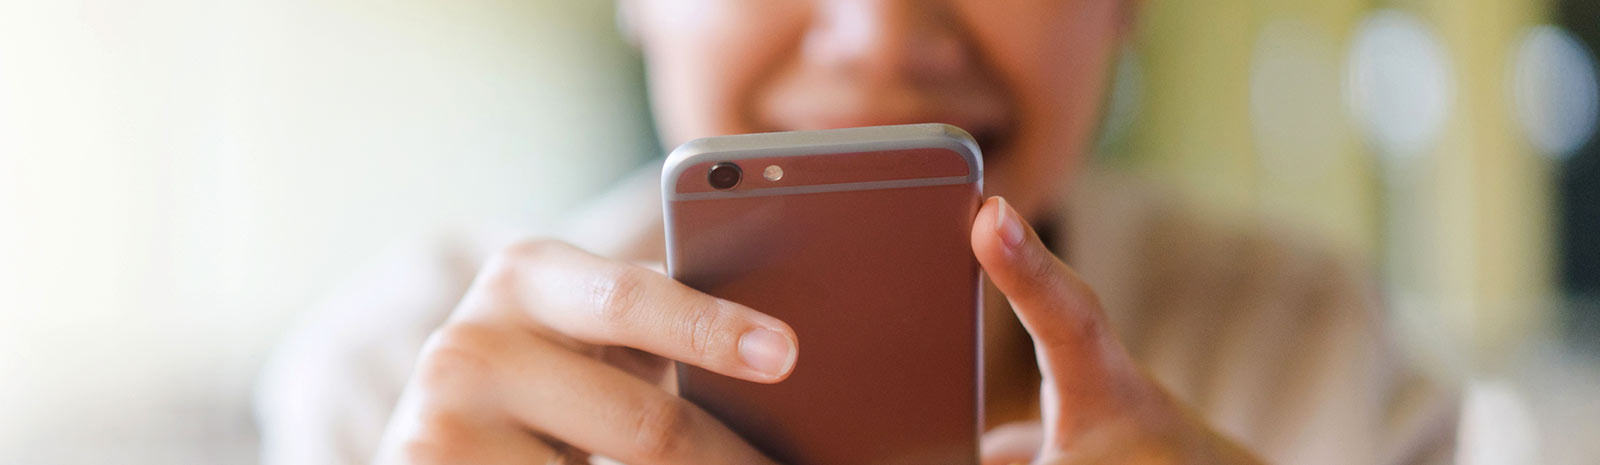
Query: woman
[[1175, 344]]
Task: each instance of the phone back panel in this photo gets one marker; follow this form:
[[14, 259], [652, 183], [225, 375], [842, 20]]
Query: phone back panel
[[863, 248]]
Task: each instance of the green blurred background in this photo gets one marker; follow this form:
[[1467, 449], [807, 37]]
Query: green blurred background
[[1402, 131]]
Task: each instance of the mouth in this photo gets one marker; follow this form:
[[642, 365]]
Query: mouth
[[993, 137]]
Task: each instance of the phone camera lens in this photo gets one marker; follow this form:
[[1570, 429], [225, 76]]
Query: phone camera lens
[[724, 176]]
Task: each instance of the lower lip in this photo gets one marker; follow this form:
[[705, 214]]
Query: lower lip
[[992, 142]]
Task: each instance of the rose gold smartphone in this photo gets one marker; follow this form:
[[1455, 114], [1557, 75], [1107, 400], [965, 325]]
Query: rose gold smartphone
[[859, 239]]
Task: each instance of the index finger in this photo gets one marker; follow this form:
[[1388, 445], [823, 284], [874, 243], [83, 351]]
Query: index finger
[[606, 302]]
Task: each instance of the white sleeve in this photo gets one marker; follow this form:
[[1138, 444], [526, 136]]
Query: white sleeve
[[327, 391]]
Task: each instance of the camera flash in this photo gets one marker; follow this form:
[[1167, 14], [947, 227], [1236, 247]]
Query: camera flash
[[772, 173]]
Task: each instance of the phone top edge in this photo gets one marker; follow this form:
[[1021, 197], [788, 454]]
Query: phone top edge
[[821, 142]]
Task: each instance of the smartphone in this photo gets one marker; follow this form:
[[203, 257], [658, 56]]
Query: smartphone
[[859, 239]]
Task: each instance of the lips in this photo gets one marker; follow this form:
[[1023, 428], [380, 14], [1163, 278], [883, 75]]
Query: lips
[[992, 136], [805, 101]]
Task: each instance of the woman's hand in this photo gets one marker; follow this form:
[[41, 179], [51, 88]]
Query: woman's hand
[[1097, 405], [555, 354]]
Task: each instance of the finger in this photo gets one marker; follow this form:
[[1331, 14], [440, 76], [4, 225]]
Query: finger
[[1012, 443], [604, 302], [1059, 310], [577, 400], [430, 432]]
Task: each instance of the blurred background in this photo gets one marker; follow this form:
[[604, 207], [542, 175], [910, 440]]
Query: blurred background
[[181, 179]]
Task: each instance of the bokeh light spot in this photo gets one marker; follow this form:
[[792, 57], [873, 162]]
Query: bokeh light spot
[[1398, 83], [1554, 88]]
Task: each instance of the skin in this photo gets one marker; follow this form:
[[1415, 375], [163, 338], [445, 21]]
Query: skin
[[555, 354]]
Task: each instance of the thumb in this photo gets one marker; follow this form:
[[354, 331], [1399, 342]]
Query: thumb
[[1059, 310], [1012, 443], [1083, 366]]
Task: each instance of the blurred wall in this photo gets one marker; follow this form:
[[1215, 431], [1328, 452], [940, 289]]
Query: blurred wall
[[1425, 138], [1580, 191], [1386, 129], [180, 179]]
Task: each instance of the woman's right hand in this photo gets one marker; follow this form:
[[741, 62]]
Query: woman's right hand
[[555, 354]]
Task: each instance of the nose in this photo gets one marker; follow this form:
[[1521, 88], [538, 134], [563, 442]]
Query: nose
[[888, 40]]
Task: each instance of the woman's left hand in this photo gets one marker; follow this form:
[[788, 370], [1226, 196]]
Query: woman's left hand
[[1098, 406]]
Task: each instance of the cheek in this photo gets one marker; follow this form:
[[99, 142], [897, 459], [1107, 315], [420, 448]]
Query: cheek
[[706, 56]]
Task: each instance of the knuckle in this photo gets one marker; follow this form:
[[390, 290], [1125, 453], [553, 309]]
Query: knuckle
[[532, 248], [458, 358], [1043, 270], [1090, 329], [439, 438], [423, 452], [619, 295], [659, 431], [503, 270], [704, 323], [430, 451]]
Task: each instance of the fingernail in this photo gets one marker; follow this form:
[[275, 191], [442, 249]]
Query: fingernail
[[1008, 224], [767, 351]]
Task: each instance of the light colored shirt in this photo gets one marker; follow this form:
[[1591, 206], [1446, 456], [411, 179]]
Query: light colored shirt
[[1279, 345]]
